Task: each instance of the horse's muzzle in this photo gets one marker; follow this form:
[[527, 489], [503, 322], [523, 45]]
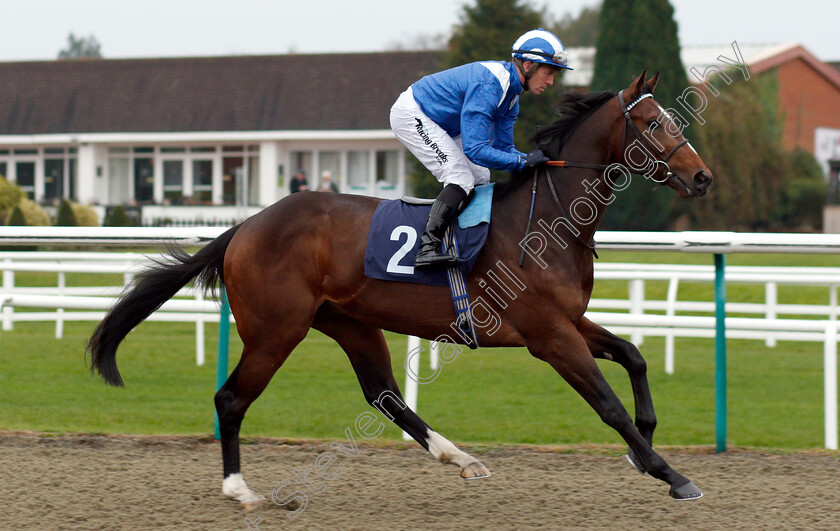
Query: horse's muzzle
[[702, 181]]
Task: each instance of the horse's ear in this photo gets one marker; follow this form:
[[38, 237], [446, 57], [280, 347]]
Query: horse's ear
[[652, 82], [637, 84]]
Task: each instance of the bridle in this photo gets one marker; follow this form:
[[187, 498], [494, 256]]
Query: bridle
[[628, 122]]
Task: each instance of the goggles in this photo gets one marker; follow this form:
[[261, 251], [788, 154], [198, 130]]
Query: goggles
[[560, 58]]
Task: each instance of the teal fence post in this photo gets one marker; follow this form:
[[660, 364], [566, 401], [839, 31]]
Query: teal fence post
[[720, 352], [222, 357]]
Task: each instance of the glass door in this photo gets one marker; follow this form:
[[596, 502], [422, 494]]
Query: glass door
[[26, 177]]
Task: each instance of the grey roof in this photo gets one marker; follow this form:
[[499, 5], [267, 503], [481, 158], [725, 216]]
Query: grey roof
[[245, 93]]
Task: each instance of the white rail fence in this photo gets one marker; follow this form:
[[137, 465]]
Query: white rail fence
[[768, 327], [630, 316], [91, 302]]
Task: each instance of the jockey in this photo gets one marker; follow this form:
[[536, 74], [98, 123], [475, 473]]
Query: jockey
[[459, 122]]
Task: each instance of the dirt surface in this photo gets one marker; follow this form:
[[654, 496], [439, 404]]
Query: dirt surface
[[96, 482]]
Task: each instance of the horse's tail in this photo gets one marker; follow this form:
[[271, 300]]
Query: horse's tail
[[151, 289]]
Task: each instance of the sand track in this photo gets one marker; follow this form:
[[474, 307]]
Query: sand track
[[97, 482]]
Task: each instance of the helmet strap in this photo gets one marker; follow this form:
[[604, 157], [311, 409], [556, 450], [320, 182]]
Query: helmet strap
[[520, 64]]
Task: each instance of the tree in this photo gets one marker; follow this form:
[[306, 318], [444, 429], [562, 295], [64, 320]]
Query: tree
[[85, 215], [487, 31], [17, 218], [580, 31], [632, 35], [118, 217], [81, 48], [759, 186], [66, 217], [10, 197], [34, 215]]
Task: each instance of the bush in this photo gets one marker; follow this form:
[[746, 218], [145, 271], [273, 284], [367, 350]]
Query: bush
[[85, 215], [118, 217], [10, 197], [17, 218], [66, 217], [33, 214]]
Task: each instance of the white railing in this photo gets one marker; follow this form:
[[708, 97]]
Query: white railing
[[769, 328], [636, 322], [188, 306]]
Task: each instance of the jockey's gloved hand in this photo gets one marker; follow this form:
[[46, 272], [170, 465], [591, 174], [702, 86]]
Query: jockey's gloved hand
[[534, 158]]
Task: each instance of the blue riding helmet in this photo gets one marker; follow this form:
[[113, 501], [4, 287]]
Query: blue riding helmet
[[541, 46]]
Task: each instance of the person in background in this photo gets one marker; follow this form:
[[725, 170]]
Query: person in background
[[326, 183], [298, 182], [459, 122]]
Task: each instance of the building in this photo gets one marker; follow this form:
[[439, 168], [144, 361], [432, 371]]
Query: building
[[221, 137], [216, 137]]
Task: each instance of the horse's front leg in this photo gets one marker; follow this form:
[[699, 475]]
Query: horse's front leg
[[566, 350], [605, 345]]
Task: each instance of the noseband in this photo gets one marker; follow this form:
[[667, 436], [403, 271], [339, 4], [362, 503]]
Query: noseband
[[625, 110]]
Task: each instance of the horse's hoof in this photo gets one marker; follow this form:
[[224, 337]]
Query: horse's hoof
[[475, 470], [687, 491], [252, 504], [633, 460]]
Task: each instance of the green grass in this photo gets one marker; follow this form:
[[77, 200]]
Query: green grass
[[485, 396]]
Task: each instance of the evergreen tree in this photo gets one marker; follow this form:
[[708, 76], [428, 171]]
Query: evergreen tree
[[632, 35], [118, 217], [66, 217], [17, 219]]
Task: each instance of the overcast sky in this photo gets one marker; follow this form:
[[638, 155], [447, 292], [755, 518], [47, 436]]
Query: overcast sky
[[38, 29]]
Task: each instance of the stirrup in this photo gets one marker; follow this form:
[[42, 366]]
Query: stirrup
[[432, 261]]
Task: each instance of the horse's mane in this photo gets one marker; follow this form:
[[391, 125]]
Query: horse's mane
[[573, 109]]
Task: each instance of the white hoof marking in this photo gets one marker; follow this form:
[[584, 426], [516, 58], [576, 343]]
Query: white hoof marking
[[234, 487]]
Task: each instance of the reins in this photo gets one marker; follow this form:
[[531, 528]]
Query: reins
[[628, 121]]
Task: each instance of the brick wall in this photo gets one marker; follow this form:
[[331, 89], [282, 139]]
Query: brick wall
[[807, 100]]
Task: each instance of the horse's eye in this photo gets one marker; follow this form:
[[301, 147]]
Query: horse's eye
[[654, 123]]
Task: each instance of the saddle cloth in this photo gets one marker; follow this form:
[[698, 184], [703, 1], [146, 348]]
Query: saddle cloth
[[394, 238]]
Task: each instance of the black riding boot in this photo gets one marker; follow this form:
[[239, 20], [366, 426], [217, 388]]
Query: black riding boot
[[429, 255]]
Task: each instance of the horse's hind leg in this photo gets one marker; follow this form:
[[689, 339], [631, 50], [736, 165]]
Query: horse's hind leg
[[605, 345], [568, 353], [368, 352], [247, 381]]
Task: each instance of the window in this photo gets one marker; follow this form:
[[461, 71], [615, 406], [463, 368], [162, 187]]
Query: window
[[232, 168], [302, 161], [26, 177], [3, 169], [330, 161], [53, 179], [173, 181], [386, 170], [118, 181], [203, 180], [358, 172], [144, 179]]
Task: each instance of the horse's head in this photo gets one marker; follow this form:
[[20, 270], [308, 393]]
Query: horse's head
[[653, 144]]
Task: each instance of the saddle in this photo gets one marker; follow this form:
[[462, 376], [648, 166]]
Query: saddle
[[393, 238]]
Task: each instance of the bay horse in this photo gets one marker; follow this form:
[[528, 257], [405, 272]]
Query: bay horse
[[298, 264]]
